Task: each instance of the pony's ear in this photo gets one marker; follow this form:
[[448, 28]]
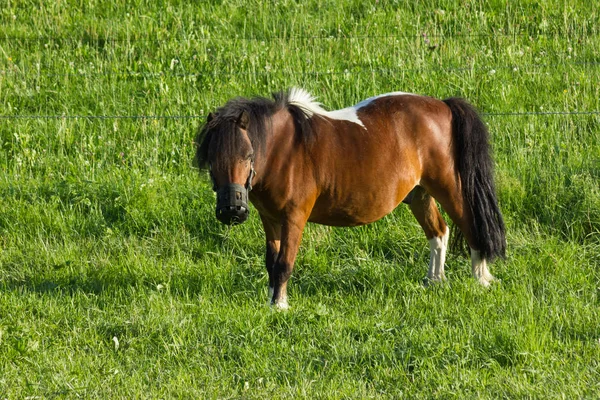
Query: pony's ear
[[243, 120], [210, 117]]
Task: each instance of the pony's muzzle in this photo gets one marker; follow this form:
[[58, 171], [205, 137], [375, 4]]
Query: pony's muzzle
[[232, 204]]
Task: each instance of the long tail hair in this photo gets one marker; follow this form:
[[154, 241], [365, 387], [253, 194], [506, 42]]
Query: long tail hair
[[475, 169]]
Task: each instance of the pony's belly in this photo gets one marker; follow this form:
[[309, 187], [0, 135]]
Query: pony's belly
[[351, 213]]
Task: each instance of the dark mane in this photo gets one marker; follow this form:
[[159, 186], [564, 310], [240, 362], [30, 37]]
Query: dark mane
[[223, 123]]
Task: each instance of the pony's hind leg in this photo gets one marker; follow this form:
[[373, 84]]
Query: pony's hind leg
[[451, 201], [474, 207], [480, 269], [427, 214]]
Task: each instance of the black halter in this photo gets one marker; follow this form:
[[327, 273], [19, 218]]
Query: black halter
[[232, 199]]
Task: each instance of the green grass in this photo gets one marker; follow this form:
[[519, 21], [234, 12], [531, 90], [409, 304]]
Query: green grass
[[116, 280]]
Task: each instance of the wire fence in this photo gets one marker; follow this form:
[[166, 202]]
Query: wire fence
[[175, 117], [32, 73], [102, 39], [37, 72], [101, 117]]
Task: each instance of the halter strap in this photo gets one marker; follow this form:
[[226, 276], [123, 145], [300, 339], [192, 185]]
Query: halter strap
[[248, 184], [251, 176]]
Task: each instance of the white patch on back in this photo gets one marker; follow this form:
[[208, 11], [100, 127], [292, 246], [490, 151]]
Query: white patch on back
[[345, 114], [310, 106]]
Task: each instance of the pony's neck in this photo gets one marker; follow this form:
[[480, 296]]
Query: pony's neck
[[281, 141]]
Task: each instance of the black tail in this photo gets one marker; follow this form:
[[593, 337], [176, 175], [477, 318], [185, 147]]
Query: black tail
[[475, 168]]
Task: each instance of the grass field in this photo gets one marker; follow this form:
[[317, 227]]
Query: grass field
[[116, 280]]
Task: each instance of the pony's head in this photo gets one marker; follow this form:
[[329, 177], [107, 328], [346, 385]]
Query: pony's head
[[225, 148], [233, 138]]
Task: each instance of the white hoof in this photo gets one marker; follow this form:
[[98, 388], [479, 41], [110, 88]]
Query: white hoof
[[281, 305], [433, 280], [480, 269], [487, 280]]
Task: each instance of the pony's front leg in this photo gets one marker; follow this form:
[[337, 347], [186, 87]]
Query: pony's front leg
[[273, 236], [291, 235]]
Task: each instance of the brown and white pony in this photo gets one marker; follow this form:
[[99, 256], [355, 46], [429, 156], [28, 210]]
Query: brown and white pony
[[352, 167]]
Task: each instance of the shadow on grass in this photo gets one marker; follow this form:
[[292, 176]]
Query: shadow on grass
[[242, 277]]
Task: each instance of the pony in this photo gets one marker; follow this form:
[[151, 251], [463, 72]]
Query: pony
[[298, 163]]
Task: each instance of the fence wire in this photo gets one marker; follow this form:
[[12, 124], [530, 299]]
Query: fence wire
[[174, 74], [36, 73], [103, 39], [175, 117]]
